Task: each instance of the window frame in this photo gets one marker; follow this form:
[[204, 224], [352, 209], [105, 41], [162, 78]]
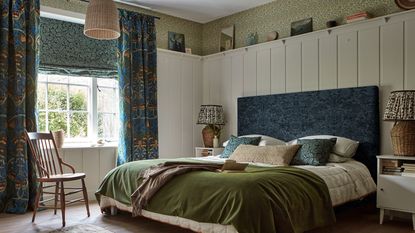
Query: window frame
[[92, 107]]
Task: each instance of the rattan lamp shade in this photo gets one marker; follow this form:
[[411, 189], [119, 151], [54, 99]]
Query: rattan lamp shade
[[401, 109], [102, 20]]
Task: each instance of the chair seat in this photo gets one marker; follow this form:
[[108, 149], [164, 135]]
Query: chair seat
[[62, 177]]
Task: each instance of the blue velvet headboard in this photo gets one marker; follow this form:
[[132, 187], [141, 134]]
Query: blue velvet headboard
[[349, 112]]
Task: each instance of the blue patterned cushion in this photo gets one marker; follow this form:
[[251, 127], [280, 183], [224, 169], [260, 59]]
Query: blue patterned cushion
[[234, 142], [314, 152]]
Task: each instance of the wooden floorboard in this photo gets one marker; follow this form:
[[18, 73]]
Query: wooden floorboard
[[360, 217]]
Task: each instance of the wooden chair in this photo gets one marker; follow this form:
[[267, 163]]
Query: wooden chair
[[50, 170]]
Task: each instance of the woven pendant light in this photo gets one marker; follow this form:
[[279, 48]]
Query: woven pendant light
[[101, 20]]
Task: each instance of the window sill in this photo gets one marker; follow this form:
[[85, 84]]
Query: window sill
[[89, 145]]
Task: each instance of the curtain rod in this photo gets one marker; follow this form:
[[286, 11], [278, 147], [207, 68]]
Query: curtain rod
[[130, 4]]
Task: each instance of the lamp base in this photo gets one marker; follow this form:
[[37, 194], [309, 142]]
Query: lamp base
[[403, 138], [208, 134]]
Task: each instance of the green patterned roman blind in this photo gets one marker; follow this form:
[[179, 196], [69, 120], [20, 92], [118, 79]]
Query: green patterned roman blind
[[65, 50]]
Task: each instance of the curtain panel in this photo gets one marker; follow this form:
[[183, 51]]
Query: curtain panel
[[19, 61], [137, 70]]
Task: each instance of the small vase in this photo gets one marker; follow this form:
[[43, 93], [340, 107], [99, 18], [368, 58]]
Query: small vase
[[59, 137], [208, 134], [215, 142]]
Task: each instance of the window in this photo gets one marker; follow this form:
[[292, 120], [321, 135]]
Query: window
[[83, 107], [107, 108]]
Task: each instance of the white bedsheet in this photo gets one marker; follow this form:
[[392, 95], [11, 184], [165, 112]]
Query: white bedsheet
[[346, 182]]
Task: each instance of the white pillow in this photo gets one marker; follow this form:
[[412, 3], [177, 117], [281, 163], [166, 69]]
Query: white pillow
[[265, 140], [344, 147]]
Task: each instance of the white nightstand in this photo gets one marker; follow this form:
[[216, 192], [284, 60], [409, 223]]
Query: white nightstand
[[206, 151], [394, 191]]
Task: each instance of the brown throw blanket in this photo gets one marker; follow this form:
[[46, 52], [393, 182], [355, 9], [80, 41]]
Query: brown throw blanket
[[155, 177]]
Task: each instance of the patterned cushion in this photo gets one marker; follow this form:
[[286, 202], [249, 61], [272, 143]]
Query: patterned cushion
[[314, 152], [275, 155], [234, 142]]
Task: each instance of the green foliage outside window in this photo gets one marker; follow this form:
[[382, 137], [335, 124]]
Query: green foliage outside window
[[57, 100]]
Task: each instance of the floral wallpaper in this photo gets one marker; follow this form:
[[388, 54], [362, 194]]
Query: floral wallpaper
[[278, 15], [191, 30], [204, 39]]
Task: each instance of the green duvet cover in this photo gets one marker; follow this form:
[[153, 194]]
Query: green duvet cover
[[260, 200]]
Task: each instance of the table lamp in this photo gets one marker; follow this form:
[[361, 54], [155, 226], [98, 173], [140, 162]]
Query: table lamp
[[212, 117], [401, 110]]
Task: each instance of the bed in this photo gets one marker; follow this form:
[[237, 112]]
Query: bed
[[351, 113]]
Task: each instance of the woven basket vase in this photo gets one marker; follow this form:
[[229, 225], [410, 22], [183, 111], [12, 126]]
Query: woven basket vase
[[403, 138]]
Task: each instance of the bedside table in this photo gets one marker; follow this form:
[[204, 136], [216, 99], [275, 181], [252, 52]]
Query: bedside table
[[206, 151], [395, 189]]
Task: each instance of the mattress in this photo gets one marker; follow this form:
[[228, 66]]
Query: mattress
[[346, 182]]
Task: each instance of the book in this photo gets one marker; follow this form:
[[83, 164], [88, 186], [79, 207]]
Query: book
[[390, 163], [408, 174], [356, 19], [392, 169], [358, 15], [392, 173], [232, 165]]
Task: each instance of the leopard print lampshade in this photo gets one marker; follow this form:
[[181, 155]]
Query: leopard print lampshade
[[401, 106], [401, 109]]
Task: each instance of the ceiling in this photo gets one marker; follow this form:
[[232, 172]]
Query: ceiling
[[201, 11]]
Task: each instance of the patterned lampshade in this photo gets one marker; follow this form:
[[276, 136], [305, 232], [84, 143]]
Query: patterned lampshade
[[101, 21], [211, 115], [401, 106]]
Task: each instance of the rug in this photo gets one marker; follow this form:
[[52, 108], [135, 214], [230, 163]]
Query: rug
[[83, 228]]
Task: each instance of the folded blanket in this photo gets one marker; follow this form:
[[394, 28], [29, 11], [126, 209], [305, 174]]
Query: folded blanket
[[155, 177]]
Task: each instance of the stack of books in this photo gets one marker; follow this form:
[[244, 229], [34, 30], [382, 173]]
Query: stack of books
[[409, 169], [358, 17], [391, 167]]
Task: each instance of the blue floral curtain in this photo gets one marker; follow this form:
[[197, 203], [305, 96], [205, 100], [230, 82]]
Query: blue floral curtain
[[137, 70], [19, 61]]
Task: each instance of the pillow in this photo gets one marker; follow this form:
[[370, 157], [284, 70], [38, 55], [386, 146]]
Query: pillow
[[265, 140], [334, 158], [234, 142], [275, 155], [314, 152], [344, 147]]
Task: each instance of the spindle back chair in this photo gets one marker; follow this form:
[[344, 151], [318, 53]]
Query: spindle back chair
[[50, 169]]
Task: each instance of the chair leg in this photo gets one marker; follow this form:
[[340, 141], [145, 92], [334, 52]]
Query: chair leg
[[37, 198], [85, 197], [62, 199], [56, 196]]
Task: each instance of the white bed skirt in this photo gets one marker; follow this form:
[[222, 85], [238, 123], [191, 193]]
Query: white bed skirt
[[107, 202]]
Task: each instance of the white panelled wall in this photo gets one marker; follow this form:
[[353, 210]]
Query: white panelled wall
[[179, 99], [95, 162], [378, 52]]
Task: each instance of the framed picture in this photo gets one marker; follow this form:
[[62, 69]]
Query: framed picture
[[301, 26], [227, 38], [176, 42]]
